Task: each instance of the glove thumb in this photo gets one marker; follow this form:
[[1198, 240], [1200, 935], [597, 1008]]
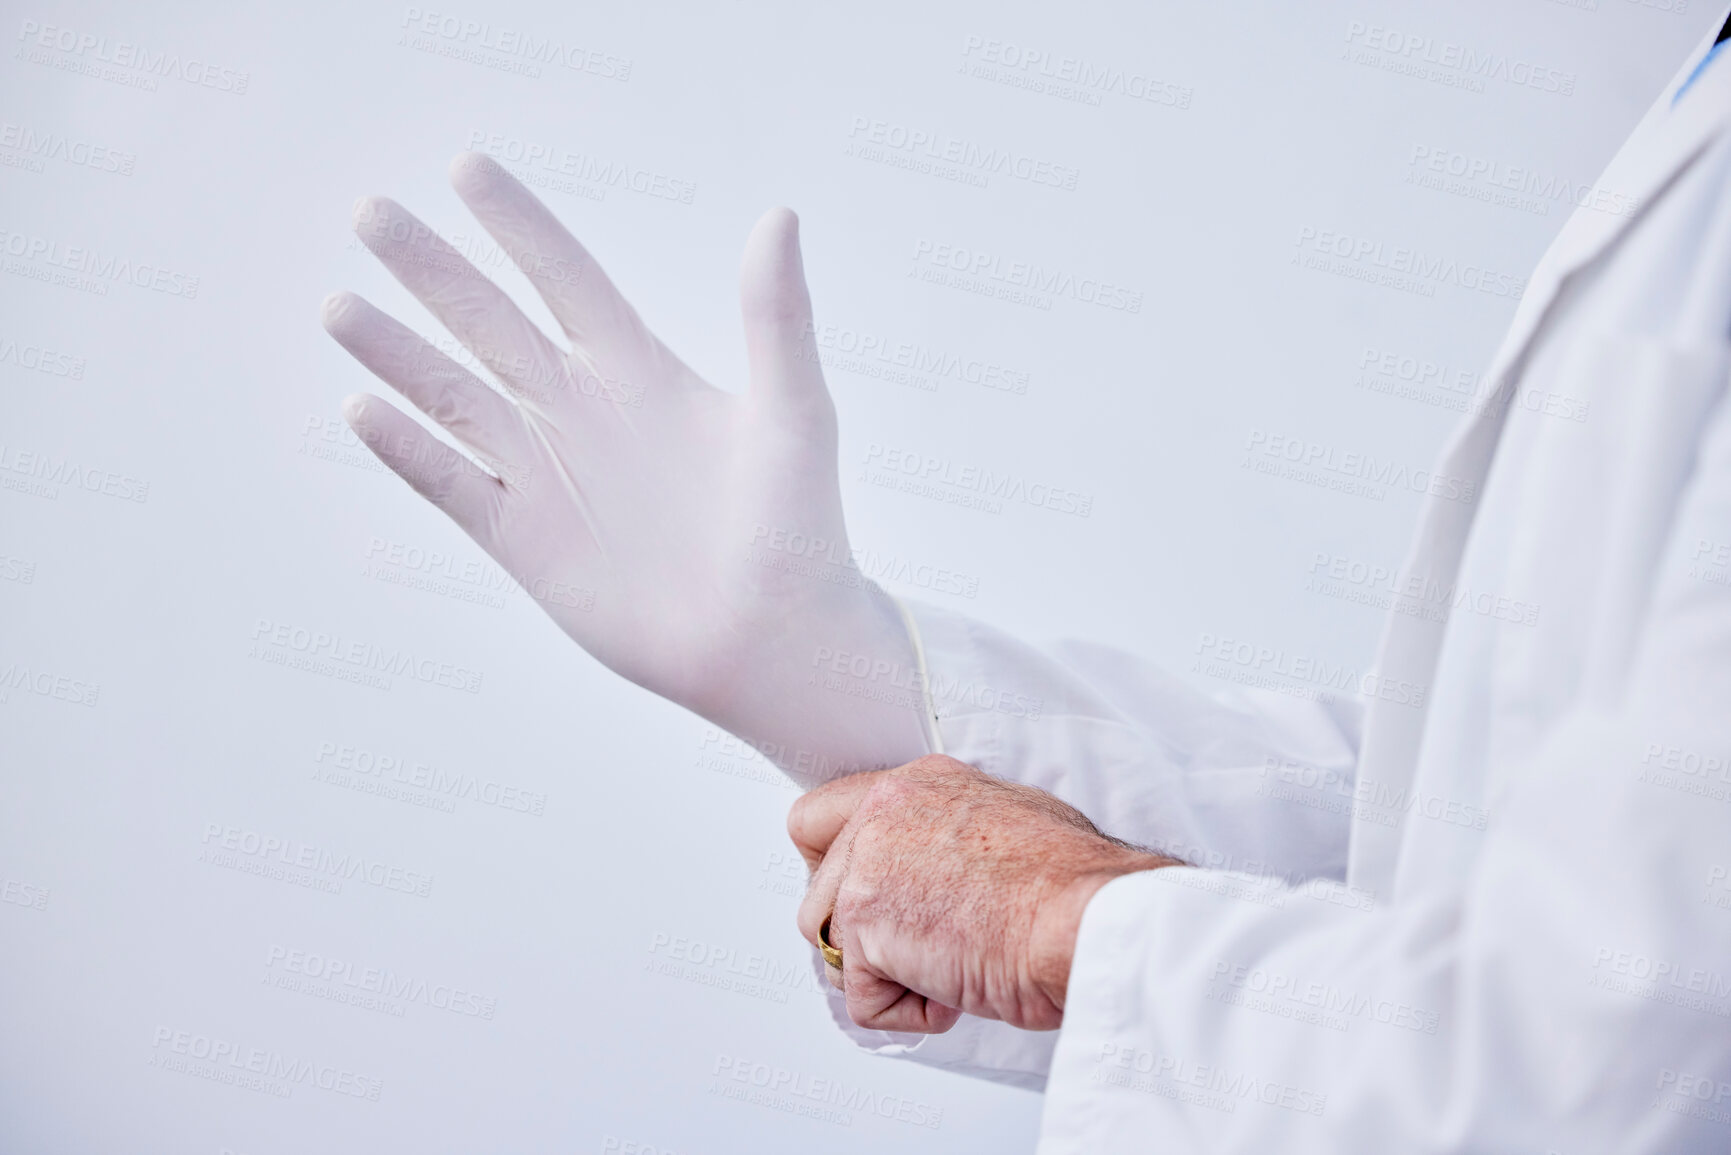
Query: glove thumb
[[779, 340]]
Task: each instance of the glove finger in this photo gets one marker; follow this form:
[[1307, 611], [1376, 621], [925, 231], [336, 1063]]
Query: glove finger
[[476, 414], [776, 307], [465, 491], [595, 316], [474, 309]]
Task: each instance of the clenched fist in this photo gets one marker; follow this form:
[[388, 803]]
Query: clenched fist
[[948, 890]]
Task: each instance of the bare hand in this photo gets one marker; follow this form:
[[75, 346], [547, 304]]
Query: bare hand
[[949, 890]]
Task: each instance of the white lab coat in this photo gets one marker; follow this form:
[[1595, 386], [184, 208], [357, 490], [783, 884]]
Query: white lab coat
[[1488, 906]]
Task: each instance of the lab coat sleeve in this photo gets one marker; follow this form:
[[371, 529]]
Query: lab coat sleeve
[[1236, 779], [1254, 781], [1570, 993]]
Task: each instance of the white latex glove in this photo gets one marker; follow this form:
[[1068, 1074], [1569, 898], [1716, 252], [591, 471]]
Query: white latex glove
[[615, 469]]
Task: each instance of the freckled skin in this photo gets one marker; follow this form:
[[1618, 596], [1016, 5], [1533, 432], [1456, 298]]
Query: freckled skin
[[951, 891]]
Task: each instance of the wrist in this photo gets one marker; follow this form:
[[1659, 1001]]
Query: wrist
[[829, 686], [1058, 920]]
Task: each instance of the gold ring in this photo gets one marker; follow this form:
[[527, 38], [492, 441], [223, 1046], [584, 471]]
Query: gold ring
[[831, 955]]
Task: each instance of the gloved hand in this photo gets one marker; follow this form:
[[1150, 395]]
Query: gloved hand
[[631, 498]]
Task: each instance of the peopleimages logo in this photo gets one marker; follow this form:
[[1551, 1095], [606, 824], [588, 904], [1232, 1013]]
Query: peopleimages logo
[[378, 767], [256, 1068], [1516, 186], [282, 643], [864, 675], [90, 270], [17, 678], [1401, 51], [725, 753], [1277, 669], [1398, 266], [1355, 468], [342, 975], [1229, 1086], [1461, 390], [1019, 281], [1365, 799], [536, 157], [43, 474], [1682, 1093], [457, 34], [1703, 774], [1661, 980], [1414, 593], [84, 51], [40, 146], [1068, 77], [986, 485], [798, 1088], [403, 239], [1306, 1000], [873, 355], [318, 862], [41, 359], [874, 139], [24, 894], [836, 563]]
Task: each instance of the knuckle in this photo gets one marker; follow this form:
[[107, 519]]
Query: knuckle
[[939, 766], [888, 791], [854, 914], [865, 850]]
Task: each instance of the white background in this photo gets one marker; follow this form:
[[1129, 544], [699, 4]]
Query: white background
[[634, 941]]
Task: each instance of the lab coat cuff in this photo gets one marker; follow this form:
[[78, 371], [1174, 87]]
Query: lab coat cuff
[[1021, 715]]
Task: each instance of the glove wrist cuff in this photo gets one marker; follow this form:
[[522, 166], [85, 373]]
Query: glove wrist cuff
[[928, 706]]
